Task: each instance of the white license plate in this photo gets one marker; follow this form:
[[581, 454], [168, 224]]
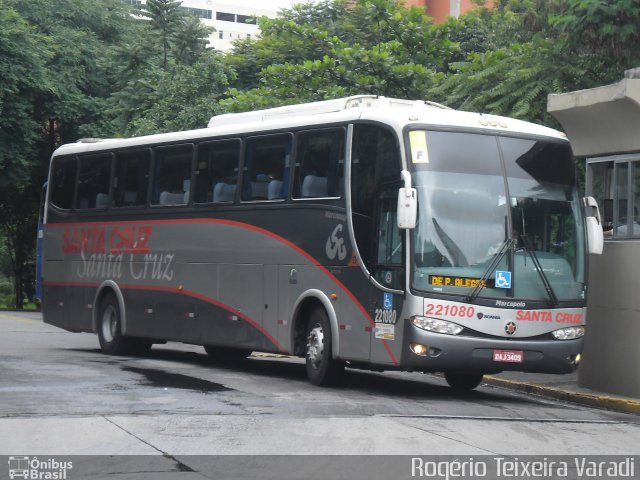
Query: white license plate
[[509, 356]]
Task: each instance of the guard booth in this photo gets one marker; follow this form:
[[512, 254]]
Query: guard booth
[[603, 125]]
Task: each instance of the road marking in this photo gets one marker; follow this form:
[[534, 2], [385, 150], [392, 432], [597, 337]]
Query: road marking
[[508, 419], [4, 316]]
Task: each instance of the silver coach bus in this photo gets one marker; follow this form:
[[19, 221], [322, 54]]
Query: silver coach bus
[[366, 231]]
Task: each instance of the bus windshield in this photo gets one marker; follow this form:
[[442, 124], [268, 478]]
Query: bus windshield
[[497, 217]]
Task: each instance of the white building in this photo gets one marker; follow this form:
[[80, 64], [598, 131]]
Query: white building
[[232, 19]]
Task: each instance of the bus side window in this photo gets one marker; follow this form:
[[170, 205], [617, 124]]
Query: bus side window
[[131, 178], [94, 181], [217, 171], [63, 181], [172, 179], [319, 169], [266, 167]]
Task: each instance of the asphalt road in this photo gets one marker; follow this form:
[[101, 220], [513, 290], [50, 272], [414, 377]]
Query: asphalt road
[[59, 395]]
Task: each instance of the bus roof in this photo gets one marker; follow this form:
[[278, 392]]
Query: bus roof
[[397, 113], [316, 108]]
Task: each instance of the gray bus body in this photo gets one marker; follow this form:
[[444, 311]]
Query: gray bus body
[[233, 236]]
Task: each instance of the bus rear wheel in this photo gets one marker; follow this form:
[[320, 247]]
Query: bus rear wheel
[[112, 342], [322, 368], [463, 381]]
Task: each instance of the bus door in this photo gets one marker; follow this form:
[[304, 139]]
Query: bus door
[[375, 173], [388, 272]]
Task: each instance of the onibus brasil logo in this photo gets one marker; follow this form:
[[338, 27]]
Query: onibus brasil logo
[[33, 468]]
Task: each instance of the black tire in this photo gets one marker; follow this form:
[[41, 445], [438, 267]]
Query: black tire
[[112, 342], [322, 368], [463, 382], [226, 354]]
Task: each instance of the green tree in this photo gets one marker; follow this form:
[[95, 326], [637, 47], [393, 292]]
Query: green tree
[[18, 204], [307, 31], [52, 75], [324, 50], [606, 32], [186, 98], [144, 83], [512, 81], [24, 54], [166, 18], [82, 40], [189, 42], [562, 45]]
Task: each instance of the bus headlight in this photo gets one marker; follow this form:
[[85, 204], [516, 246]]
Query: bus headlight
[[569, 333], [435, 325]]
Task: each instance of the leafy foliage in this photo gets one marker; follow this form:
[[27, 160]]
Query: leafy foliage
[[186, 98], [325, 50], [24, 54], [165, 17], [550, 56], [23, 81], [67, 70], [74, 68], [605, 28]]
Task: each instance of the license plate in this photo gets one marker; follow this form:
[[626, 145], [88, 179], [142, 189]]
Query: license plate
[[510, 356]]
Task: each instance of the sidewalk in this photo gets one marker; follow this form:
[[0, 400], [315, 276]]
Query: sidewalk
[[563, 387]]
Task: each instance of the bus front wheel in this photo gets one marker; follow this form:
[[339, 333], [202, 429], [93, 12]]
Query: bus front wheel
[[112, 341], [463, 381], [322, 368]]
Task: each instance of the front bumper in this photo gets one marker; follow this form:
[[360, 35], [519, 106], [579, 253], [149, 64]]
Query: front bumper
[[459, 353]]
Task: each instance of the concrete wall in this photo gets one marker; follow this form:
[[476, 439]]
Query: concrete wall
[[601, 122], [612, 343]]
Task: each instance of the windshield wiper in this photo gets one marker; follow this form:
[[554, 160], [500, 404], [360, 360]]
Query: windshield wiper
[[506, 246], [528, 247]]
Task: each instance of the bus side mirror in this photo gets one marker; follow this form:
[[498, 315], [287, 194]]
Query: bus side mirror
[[595, 235], [407, 203]]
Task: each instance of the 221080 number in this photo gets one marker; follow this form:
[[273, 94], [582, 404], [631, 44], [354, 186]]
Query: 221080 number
[[385, 316], [450, 310]]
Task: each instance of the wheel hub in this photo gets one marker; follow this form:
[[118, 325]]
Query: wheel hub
[[109, 323], [315, 346]]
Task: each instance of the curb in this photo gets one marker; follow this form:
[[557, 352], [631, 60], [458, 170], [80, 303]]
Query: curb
[[618, 404]]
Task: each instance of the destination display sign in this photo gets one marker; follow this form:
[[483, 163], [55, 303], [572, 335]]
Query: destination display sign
[[465, 282]]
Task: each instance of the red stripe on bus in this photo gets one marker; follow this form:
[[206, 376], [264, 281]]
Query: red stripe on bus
[[317, 264], [210, 300], [198, 296], [253, 228]]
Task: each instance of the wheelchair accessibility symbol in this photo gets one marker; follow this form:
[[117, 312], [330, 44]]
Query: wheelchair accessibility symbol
[[387, 304], [503, 279]]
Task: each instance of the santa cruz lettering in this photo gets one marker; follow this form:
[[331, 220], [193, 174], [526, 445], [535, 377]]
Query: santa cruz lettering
[[94, 240], [109, 255], [548, 316]]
